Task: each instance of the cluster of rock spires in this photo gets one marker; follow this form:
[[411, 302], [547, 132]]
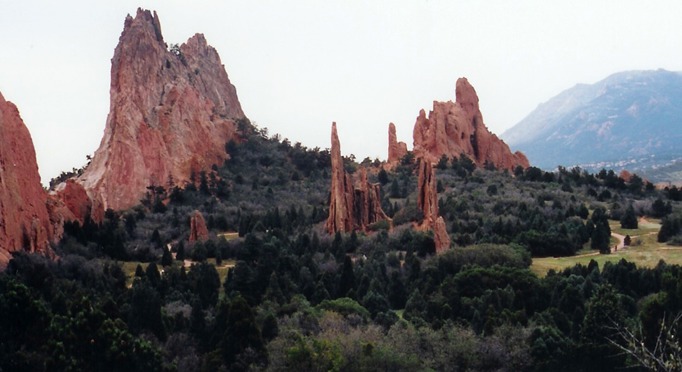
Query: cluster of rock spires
[[352, 206], [451, 129], [171, 113], [355, 206], [455, 128]]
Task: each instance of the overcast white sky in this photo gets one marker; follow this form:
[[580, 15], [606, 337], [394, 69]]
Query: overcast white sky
[[299, 65]]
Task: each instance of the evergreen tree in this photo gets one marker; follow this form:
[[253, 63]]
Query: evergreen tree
[[601, 234], [241, 331], [383, 177], [347, 280], [180, 254], [629, 219], [166, 258]]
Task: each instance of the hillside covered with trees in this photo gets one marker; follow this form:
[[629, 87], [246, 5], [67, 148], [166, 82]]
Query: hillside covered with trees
[[270, 289]]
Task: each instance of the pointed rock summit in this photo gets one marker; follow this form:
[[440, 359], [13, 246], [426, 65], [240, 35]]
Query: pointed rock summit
[[351, 207], [24, 221], [171, 113], [455, 128]]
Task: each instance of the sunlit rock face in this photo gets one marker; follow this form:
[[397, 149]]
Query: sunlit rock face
[[171, 113], [24, 221], [352, 206], [455, 128]]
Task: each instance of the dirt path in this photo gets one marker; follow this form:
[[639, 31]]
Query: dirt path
[[621, 240]]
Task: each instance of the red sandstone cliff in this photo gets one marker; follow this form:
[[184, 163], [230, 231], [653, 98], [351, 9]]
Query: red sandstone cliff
[[427, 202], [351, 207], [454, 128], [171, 113], [24, 221]]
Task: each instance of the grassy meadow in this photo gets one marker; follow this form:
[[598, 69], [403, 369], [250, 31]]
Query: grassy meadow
[[644, 251]]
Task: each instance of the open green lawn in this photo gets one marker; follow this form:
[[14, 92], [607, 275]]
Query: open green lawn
[[130, 266], [644, 252], [648, 226], [229, 235]]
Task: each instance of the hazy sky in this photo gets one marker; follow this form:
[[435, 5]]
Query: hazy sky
[[299, 65]]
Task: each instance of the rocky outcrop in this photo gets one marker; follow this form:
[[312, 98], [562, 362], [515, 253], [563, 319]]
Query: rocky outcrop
[[351, 206], [24, 221], [171, 113], [75, 204], [455, 128], [396, 150], [427, 202], [625, 175], [197, 227], [367, 202]]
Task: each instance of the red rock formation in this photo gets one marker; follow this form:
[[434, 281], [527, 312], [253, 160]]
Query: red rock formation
[[341, 200], [70, 202], [72, 196], [197, 227], [625, 175], [427, 202], [367, 202], [24, 222], [396, 150], [351, 207], [170, 114], [455, 128]]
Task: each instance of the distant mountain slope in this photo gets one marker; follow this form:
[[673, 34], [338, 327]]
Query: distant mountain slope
[[629, 120]]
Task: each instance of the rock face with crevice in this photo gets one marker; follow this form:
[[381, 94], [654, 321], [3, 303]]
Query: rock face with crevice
[[171, 113], [351, 206], [455, 128], [24, 221], [427, 202], [197, 227]]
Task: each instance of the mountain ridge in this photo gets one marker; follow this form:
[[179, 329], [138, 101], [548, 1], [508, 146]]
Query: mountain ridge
[[628, 116]]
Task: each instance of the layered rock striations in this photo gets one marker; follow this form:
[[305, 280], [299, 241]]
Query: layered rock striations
[[24, 221], [455, 128], [427, 202], [396, 150], [171, 113], [351, 206]]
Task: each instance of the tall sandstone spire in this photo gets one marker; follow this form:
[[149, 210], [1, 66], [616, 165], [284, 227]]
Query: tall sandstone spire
[[427, 202], [455, 128], [396, 150], [351, 207], [24, 221], [171, 113]]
